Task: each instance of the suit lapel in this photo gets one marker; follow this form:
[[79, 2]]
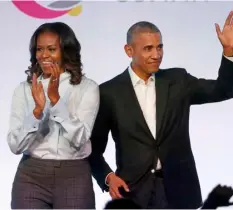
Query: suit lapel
[[131, 101], [130, 98], [162, 87]]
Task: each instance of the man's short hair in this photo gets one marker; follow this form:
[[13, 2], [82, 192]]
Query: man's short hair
[[140, 27]]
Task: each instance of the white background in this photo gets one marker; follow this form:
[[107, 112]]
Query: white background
[[190, 41]]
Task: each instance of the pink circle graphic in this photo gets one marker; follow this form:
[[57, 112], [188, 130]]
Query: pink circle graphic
[[33, 9]]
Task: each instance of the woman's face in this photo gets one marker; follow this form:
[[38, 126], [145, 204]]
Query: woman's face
[[48, 52]]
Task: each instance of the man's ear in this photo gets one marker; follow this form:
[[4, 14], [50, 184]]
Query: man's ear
[[128, 50]]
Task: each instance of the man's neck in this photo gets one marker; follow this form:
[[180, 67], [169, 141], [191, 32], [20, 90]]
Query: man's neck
[[141, 74]]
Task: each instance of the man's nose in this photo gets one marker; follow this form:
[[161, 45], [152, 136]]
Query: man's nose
[[155, 54]]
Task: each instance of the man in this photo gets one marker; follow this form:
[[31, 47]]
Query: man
[[147, 111]]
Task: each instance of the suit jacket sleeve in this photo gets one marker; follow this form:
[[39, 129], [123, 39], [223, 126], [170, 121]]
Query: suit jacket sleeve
[[99, 138], [209, 91]]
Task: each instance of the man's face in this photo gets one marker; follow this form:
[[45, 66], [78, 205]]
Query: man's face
[[146, 51]]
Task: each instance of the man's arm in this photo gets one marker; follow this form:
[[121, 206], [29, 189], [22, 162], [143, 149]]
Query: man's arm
[[208, 91], [99, 138]]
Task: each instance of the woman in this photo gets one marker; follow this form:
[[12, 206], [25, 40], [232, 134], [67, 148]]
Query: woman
[[51, 121]]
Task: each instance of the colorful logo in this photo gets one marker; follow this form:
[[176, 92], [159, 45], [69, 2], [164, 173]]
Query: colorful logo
[[52, 10]]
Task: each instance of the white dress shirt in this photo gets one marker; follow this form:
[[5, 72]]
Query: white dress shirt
[[64, 129], [146, 95]]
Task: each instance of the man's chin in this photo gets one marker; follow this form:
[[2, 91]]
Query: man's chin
[[154, 70]]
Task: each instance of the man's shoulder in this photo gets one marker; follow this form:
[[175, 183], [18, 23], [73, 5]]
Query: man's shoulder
[[111, 83], [168, 73], [172, 73]]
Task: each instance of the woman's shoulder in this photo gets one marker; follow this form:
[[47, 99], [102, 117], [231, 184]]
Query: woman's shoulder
[[86, 81], [86, 86], [22, 86]]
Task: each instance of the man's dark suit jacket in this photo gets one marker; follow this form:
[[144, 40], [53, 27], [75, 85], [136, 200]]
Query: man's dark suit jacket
[[137, 151]]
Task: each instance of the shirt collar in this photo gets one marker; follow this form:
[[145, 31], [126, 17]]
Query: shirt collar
[[136, 79]]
